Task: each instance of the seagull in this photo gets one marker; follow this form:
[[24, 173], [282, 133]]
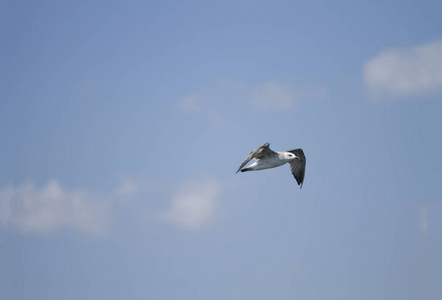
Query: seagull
[[266, 158]]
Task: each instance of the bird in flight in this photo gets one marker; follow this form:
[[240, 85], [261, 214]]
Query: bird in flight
[[267, 158]]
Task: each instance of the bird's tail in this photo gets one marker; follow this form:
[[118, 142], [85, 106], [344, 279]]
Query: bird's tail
[[246, 169]]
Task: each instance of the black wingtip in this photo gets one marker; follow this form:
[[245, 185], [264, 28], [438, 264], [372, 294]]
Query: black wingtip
[[299, 181]]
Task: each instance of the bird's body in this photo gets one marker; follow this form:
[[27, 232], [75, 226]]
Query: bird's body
[[267, 158], [270, 162]]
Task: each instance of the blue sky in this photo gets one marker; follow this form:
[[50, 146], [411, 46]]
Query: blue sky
[[123, 125]]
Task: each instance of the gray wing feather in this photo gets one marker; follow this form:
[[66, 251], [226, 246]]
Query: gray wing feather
[[297, 166], [259, 153]]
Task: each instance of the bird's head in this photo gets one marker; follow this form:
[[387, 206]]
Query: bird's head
[[289, 156]]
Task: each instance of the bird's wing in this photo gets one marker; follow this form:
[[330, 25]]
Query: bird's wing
[[297, 166], [259, 153]]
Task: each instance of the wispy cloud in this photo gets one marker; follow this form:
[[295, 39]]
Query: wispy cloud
[[203, 104], [127, 188], [267, 96], [408, 71], [45, 209], [208, 101], [194, 204], [272, 95]]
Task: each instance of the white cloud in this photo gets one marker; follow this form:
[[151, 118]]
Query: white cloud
[[406, 71], [194, 204], [51, 207]]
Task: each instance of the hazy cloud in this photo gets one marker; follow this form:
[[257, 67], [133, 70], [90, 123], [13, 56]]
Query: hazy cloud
[[208, 101], [194, 204], [266, 96], [131, 188], [191, 103], [272, 95], [127, 188], [51, 207], [406, 71]]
